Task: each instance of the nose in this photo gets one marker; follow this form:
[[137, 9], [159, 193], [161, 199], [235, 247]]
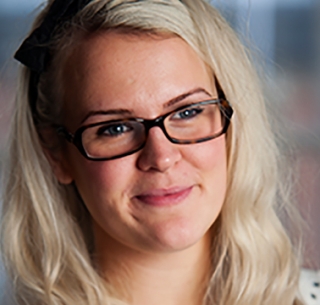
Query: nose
[[158, 154]]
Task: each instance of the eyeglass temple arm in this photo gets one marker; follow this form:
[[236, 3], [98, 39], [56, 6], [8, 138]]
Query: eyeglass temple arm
[[63, 132], [220, 92]]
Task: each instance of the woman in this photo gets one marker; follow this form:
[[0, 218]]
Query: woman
[[142, 166]]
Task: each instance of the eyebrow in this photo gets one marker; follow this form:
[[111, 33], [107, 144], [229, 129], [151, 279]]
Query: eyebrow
[[170, 103], [105, 112], [184, 96]]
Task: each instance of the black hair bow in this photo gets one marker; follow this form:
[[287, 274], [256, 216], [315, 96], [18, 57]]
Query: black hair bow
[[34, 51]]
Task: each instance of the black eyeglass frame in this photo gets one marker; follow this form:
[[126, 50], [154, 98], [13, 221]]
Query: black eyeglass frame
[[76, 138]]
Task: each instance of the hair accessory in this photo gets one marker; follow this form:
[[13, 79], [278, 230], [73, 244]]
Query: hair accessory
[[34, 51]]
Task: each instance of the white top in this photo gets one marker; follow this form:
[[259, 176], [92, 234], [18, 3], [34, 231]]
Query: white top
[[309, 285]]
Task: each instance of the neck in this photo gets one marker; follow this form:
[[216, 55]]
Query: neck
[[148, 278]]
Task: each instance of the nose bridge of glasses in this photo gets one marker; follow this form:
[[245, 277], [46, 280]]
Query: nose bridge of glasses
[[157, 122]]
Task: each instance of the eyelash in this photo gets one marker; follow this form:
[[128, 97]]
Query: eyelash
[[102, 130], [190, 109]]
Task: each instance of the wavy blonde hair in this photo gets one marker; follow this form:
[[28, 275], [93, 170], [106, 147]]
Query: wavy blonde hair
[[46, 237]]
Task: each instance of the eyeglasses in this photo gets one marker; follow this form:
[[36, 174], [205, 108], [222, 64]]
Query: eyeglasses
[[189, 124]]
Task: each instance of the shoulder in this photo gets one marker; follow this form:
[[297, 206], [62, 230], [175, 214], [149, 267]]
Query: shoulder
[[309, 286]]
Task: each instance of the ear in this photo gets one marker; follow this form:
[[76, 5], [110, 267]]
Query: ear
[[59, 165]]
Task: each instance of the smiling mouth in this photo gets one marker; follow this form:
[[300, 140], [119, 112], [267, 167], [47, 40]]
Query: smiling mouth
[[163, 198]]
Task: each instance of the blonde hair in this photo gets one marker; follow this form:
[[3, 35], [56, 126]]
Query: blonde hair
[[45, 227]]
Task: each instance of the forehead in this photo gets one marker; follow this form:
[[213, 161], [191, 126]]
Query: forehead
[[138, 72]]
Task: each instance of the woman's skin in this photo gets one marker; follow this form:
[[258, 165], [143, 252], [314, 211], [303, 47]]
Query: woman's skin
[[151, 211]]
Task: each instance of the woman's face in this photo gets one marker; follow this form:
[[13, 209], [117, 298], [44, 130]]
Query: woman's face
[[166, 196]]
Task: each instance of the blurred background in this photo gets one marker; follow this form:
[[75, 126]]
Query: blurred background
[[285, 34]]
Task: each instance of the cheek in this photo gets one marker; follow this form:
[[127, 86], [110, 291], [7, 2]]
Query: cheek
[[210, 161], [209, 158], [98, 181], [107, 179], [104, 187]]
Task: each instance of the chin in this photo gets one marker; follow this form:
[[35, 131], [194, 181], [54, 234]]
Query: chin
[[179, 236]]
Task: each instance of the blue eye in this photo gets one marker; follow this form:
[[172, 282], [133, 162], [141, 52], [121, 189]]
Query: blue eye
[[114, 130], [187, 113]]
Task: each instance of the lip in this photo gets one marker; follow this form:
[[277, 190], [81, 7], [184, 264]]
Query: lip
[[164, 197]]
